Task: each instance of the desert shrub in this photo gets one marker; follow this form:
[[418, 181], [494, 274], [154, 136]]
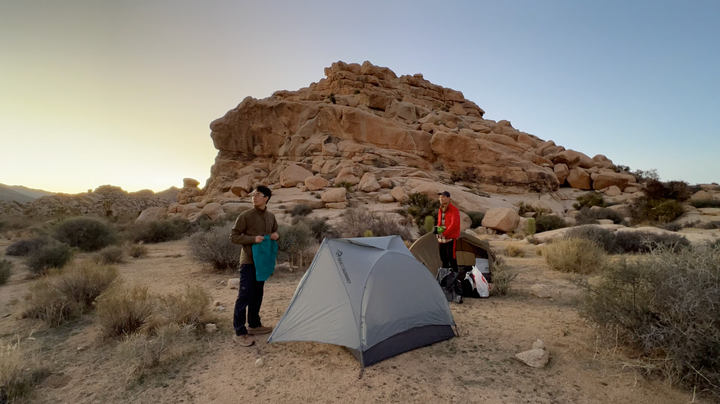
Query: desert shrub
[[355, 222], [109, 255], [85, 233], [575, 255], [63, 295], [5, 271], [15, 222], [125, 310], [502, 277], [585, 217], [344, 184], [136, 250], [18, 373], [530, 228], [143, 352], [643, 241], [589, 200], [549, 222], [53, 255], [664, 305], [476, 217], [294, 240], [161, 230], [368, 233], [655, 210], [214, 248], [675, 190], [591, 216], [672, 226], [467, 174], [514, 250], [301, 210], [23, 248], [191, 307], [319, 227], [602, 237], [706, 203], [419, 206]]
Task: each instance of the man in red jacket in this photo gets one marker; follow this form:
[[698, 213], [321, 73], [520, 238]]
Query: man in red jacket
[[448, 231]]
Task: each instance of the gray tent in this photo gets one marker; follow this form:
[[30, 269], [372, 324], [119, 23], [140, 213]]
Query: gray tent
[[370, 295]]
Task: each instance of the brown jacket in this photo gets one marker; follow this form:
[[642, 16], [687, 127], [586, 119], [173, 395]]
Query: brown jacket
[[253, 222]]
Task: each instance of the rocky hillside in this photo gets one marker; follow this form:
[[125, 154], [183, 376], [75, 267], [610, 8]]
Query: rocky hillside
[[365, 119]]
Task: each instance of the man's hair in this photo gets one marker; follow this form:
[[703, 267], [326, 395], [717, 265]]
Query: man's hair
[[264, 190]]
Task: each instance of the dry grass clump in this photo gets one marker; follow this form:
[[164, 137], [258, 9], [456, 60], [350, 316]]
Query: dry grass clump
[[125, 310], [502, 277], [5, 271], [18, 373], [575, 255], [109, 255], [214, 248], [664, 306], [514, 250], [62, 295], [142, 352], [356, 221], [136, 250]]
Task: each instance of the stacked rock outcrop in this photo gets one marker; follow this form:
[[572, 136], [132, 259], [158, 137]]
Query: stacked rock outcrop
[[364, 118]]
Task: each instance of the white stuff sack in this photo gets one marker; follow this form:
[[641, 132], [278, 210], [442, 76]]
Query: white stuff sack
[[481, 284]]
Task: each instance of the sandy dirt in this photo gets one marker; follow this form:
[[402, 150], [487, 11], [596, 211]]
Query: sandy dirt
[[477, 367]]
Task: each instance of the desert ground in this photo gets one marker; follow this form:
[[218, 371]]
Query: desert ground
[[479, 366]]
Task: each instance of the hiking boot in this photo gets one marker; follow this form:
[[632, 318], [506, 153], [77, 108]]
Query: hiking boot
[[259, 330], [243, 340]]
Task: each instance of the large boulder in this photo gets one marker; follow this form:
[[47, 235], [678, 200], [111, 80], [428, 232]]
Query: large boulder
[[561, 171], [334, 195], [502, 219], [315, 183], [368, 183], [213, 210], [242, 186], [579, 178], [604, 179], [399, 194], [293, 175], [573, 159], [151, 214]]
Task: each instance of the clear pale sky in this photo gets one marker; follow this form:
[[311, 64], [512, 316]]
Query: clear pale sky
[[122, 92]]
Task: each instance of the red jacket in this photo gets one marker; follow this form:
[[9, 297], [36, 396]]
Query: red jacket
[[452, 221]]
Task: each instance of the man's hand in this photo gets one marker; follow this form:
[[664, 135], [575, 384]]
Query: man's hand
[[259, 239], [274, 236]]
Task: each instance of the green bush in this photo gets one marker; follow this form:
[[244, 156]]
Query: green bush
[[214, 248], [664, 306], [23, 248], [655, 210], [301, 210], [705, 203], [575, 255], [476, 217], [675, 190], [5, 271], [589, 200], [549, 222], [643, 241], [85, 233], [429, 224], [65, 294], [602, 237], [161, 230], [420, 206], [53, 255], [295, 240], [530, 228]]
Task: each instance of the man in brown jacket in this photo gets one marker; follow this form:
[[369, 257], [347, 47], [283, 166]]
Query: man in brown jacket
[[250, 228]]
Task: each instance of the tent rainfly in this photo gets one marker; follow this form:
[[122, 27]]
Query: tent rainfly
[[370, 295]]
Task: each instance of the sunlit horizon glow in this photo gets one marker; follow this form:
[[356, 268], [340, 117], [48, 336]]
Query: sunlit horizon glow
[[122, 93]]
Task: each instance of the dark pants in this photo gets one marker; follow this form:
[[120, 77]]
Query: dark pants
[[250, 295], [446, 256]]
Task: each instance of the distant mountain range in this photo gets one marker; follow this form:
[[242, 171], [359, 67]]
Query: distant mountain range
[[20, 194]]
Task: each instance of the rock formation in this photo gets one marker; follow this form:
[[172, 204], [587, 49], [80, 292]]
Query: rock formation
[[365, 119]]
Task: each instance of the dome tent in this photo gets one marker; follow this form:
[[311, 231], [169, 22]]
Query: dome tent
[[370, 295]]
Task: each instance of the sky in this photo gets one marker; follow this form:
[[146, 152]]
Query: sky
[[101, 92]]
